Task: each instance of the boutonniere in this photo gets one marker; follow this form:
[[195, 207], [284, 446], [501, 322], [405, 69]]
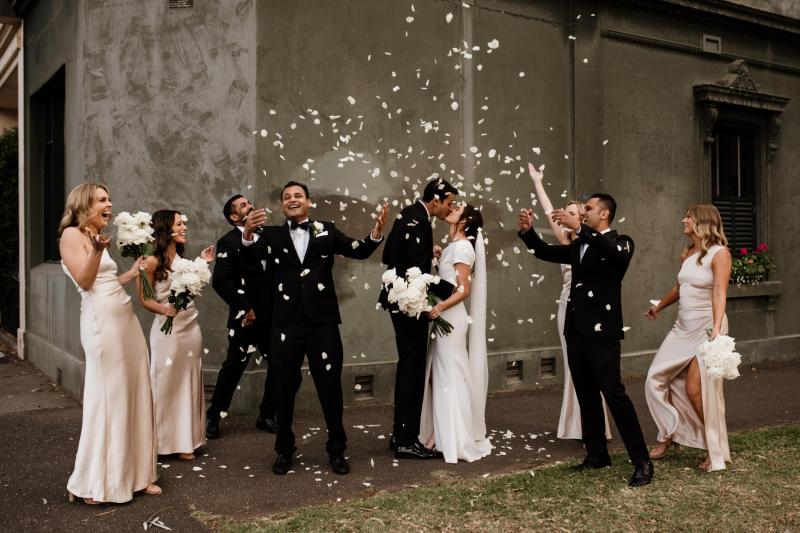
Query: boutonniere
[[317, 229]]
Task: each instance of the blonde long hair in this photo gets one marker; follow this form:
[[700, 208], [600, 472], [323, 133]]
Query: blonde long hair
[[79, 205], [708, 227], [571, 235]]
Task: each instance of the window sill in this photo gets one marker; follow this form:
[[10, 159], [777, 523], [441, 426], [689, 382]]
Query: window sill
[[765, 288]]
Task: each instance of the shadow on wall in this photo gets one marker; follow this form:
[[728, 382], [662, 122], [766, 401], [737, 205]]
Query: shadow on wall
[[9, 229]]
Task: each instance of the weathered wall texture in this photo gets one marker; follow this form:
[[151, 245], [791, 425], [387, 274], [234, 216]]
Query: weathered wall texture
[[181, 108]]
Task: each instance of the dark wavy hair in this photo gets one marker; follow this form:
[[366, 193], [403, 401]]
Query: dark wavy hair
[[473, 222], [162, 231]]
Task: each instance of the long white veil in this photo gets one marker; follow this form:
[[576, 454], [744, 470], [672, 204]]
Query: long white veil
[[478, 364]]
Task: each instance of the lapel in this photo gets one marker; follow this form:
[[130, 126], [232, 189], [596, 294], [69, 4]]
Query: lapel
[[590, 253], [312, 241]]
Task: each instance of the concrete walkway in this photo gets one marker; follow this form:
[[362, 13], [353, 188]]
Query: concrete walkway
[[41, 425]]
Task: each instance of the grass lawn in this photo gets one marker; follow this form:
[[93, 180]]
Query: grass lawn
[[760, 491]]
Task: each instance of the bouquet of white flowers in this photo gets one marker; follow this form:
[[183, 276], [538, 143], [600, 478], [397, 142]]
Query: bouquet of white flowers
[[411, 295], [719, 357], [134, 235], [188, 279]]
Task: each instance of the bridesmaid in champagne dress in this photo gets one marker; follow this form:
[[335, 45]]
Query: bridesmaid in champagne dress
[[569, 422], [176, 365], [688, 406], [116, 452]]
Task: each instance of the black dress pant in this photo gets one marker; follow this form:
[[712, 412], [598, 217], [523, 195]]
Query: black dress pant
[[595, 367], [234, 365], [323, 347], [411, 336]]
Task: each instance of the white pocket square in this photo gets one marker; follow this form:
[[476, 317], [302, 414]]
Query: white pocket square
[[321, 234]]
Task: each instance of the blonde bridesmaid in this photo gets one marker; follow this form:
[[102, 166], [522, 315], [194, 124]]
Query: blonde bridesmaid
[[569, 422], [116, 452], [687, 406], [176, 365]]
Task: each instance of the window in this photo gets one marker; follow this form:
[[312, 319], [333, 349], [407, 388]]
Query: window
[[734, 182], [47, 145]]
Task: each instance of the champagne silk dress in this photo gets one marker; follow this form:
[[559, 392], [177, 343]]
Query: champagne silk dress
[[665, 387], [176, 370], [116, 453]]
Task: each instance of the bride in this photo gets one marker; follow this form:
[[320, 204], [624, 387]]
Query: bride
[[453, 408]]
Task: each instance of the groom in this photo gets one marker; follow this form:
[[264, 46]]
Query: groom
[[410, 244], [305, 319], [593, 327]]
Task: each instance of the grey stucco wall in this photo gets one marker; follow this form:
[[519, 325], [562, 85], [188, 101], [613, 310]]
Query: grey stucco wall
[[163, 104]]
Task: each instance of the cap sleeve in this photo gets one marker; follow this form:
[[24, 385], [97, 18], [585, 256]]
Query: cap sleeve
[[463, 253]]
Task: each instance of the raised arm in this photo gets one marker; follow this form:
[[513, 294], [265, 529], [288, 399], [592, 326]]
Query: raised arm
[[537, 177], [82, 261], [559, 253], [721, 267], [620, 250], [361, 249]]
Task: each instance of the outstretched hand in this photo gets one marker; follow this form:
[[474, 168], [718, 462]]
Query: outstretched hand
[[652, 313], [525, 219], [99, 242], [380, 222], [566, 219], [208, 254], [535, 173], [256, 218]]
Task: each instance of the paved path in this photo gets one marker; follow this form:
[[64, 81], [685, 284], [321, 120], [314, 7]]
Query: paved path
[[41, 425]]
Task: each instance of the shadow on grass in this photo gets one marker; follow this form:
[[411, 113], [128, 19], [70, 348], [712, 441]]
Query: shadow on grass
[[760, 491]]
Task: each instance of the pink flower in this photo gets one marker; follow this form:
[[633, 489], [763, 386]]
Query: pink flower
[[762, 248], [743, 251]]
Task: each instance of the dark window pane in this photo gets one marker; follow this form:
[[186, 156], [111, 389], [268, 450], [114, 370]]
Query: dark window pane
[[734, 174], [47, 108]]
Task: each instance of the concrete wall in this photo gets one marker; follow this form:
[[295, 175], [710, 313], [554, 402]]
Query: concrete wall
[[163, 106]]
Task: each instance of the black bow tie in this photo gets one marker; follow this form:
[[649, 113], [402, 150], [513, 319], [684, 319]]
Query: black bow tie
[[301, 225]]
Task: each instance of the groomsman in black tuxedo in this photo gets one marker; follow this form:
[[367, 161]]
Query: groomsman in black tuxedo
[[305, 320], [410, 244], [244, 285], [593, 327]]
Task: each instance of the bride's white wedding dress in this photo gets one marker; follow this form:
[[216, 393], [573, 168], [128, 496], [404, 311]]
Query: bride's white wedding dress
[[456, 382]]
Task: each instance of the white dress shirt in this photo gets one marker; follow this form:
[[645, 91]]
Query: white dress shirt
[[300, 238]]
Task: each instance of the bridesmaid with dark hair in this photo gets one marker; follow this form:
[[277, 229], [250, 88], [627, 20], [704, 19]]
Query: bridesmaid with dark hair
[[176, 363]]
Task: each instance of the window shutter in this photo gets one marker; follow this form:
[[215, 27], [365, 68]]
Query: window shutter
[[739, 221]]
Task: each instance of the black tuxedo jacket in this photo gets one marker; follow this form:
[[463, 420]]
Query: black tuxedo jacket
[[303, 293], [242, 283], [410, 244], [594, 308]]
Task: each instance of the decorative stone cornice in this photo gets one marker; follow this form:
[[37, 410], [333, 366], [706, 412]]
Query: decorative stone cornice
[[737, 88]]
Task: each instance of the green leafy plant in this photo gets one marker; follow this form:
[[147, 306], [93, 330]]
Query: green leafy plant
[[752, 266]]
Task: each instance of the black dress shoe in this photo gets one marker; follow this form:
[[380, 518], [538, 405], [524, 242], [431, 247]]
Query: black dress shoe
[[212, 428], [282, 464], [339, 464], [642, 474], [416, 451], [591, 463], [269, 425]]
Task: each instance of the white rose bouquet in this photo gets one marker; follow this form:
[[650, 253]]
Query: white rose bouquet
[[412, 297], [720, 358], [188, 279], [134, 235]]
